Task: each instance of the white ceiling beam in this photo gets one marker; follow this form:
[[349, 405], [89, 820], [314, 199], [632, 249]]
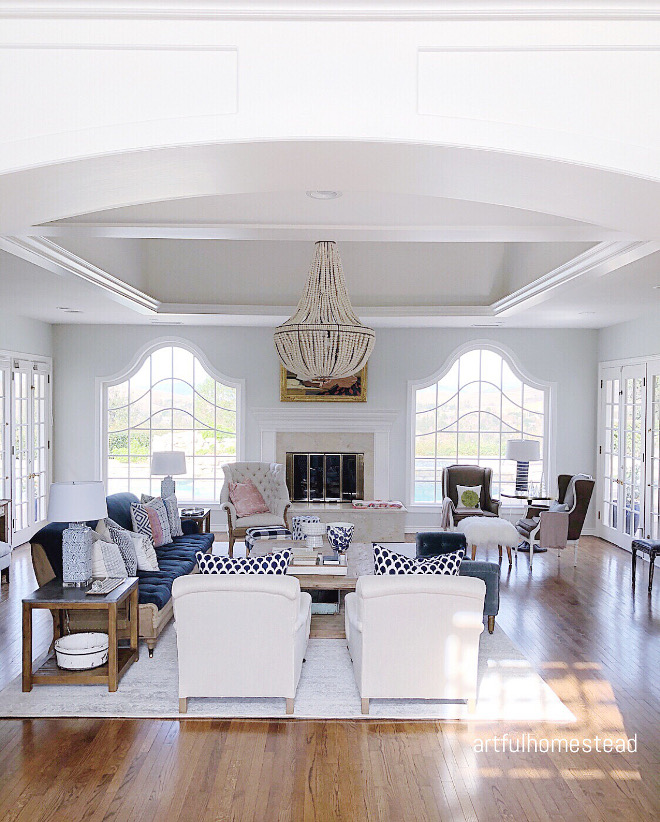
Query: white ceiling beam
[[341, 233], [48, 255], [595, 262]]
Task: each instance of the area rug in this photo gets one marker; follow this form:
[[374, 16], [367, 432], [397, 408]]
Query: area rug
[[509, 689]]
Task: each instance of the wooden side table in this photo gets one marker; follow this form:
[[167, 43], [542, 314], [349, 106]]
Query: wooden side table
[[202, 521], [57, 599]]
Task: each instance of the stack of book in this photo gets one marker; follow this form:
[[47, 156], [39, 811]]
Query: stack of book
[[331, 564], [303, 555]]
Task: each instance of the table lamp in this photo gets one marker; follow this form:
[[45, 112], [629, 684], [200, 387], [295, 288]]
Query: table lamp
[[76, 502], [167, 463], [523, 452]]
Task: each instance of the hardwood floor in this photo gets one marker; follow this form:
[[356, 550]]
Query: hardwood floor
[[594, 641]]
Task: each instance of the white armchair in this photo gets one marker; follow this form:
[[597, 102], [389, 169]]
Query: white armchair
[[270, 480], [415, 637], [240, 635]]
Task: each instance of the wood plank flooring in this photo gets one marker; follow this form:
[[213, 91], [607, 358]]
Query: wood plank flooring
[[594, 641]]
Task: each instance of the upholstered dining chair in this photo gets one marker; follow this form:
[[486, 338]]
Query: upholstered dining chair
[[573, 498], [471, 476], [269, 479]]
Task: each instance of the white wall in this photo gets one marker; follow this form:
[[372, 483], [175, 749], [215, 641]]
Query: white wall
[[637, 338], [83, 353], [25, 336]]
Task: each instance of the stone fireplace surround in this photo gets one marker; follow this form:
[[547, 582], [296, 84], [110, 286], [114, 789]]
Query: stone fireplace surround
[[333, 431]]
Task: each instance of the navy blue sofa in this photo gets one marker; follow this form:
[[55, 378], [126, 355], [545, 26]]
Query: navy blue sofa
[[154, 587]]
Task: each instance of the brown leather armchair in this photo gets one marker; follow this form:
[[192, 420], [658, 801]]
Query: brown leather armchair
[[470, 475]]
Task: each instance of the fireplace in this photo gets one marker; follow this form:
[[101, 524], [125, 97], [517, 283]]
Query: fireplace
[[324, 477]]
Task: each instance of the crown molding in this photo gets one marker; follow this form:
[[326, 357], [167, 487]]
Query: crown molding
[[52, 257], [595, 262], [358, 10]]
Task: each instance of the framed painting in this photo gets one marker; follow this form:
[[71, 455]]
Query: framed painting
[[348, 389]]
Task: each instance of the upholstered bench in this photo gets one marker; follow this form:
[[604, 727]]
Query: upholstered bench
[[275, 532], [154, 587], [646, 546], [433, 543]]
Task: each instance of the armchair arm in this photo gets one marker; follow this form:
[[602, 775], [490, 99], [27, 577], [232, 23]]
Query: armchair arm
[[495, 507], [231, 512], [535, 510]]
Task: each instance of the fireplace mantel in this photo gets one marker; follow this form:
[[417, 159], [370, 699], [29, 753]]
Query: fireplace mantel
[[272, 421]]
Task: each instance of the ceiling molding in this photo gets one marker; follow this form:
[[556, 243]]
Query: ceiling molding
[[359, 10], [602, 259], [595, 262], [52, 257], [345, 233]]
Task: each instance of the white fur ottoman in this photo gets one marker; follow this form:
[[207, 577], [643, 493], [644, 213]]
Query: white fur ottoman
[[481, 532]]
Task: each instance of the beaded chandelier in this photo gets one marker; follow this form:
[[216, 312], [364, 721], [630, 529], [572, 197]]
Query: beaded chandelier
[[324, 339]]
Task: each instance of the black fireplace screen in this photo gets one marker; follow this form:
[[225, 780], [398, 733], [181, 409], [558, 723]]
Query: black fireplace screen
[[325, 477]]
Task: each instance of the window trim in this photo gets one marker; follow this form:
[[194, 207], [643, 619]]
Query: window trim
[[550, 415], [103, 383]]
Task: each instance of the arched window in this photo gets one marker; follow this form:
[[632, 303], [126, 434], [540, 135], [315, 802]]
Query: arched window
[[467, 415], [170, 402]]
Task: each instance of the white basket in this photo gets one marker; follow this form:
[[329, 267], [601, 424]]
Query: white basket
[[80, 652]]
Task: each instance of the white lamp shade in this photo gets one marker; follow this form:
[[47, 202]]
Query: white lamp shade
[[76, 501], [523, 450], [168, 463]]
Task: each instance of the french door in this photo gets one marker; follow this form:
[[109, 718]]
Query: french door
[[652, 529], [622, 453], [31, 402]]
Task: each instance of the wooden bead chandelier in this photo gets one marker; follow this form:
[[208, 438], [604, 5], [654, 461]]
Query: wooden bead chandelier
[[324, 339]]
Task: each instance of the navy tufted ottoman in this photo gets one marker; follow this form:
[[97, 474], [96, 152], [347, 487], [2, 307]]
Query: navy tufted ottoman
[[646, 546]]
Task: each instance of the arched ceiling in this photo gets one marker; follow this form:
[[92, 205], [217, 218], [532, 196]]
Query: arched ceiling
[[506, 159]]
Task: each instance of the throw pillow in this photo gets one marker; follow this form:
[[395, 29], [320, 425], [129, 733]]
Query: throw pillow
[[247, 499], [158, 506], [558, 506], [150, 520], [172, 507], [469, 496], [276, 563], [107, 560], [144, 553], [387, 562], [124, 541]]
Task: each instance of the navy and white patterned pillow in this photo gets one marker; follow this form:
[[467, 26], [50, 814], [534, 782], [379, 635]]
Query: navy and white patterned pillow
[[141, 521], [387, 562], [172, 507], [276, 563], [123, 540]]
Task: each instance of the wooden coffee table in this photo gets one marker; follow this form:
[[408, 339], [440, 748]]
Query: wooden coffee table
[[327, 626], [56, 598]]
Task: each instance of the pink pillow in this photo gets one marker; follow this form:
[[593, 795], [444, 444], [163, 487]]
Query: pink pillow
[[246, 499]]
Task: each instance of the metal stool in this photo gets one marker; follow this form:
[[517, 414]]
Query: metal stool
[[646, 546]]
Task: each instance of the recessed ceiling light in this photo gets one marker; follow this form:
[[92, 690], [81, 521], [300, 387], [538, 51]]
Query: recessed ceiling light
[[486, 325], [585, 313], [68, 310], [167, 322], [324, 195]]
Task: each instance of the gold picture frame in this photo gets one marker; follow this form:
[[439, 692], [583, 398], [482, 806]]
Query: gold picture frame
[[293, 390]]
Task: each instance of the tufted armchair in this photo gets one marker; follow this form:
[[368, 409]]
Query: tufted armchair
[[269, 479]]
